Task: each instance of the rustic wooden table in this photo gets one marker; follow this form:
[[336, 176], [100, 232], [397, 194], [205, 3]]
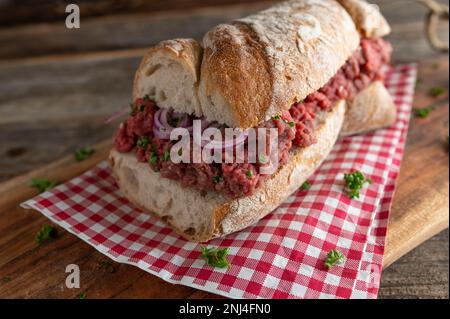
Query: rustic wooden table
[[58, 85]]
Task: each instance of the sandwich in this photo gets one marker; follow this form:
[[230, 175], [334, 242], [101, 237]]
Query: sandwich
[[310, 70]]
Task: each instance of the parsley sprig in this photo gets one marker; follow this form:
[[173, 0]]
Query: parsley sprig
[[305, 186], [354, 182], [142, 142], [217, 179], [82, 295], [81, 154], [334, 257], [216, 257], [45, 234], [436, 91], [42, 184]]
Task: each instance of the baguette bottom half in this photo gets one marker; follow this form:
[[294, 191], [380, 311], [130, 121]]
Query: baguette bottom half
[[199, 217], [371, 109]]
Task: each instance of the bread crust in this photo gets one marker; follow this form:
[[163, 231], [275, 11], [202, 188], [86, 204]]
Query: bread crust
[[259, 66], [367, 17], [215, 214], [371, 109]]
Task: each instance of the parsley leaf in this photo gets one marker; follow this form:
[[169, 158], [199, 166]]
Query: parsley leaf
[[82, 153], [334, 257], [436, 91], [166, 156], [277, 117], [42, 184], [46, 233], [354, 183], [249, 174], [422, 112], [142, 142], [217, 179], [153, 158], [215, 257], [306, 185], [82, 295]]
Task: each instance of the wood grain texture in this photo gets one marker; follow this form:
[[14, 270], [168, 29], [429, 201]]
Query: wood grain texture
[[17, 12], [50, 105], [144, 28]]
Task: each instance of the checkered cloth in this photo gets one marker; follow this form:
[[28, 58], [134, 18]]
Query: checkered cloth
[[282, 256]]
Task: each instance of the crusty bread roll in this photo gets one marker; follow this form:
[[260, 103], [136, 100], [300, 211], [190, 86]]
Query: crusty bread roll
[[371, 109], [169, 73], [198, 217]]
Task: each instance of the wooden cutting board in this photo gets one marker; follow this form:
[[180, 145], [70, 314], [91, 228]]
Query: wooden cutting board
[[419, 211]]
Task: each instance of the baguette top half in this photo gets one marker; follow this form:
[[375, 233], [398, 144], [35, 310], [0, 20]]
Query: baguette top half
[[256, 67], [259, 66]]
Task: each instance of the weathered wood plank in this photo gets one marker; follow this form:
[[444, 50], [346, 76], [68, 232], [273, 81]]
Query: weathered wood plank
[[422, 273], [146, 28], [16, 12], [117, 31]]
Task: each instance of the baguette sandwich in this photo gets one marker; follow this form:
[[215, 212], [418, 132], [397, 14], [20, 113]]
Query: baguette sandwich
[[310, 69]]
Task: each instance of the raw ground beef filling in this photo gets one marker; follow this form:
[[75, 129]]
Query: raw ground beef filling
[[295, 128]]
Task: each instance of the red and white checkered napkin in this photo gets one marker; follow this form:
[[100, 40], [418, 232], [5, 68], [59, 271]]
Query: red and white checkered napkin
[[282, 256]]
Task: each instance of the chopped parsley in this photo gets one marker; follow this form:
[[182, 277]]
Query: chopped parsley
[[217, 179], [249, 173], [136, 108], [277, 117], [354, 182], [215, 257], [81, 154], [436, 91], [153, 158], [46, 233], [142, 142], [291, 124], [306, 185], [42, 184], [82, 295], [166, 156], [334, 257], [422, 112]]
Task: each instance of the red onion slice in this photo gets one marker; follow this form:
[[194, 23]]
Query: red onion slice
[[161, 126], [117, 115], [226, 143]]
